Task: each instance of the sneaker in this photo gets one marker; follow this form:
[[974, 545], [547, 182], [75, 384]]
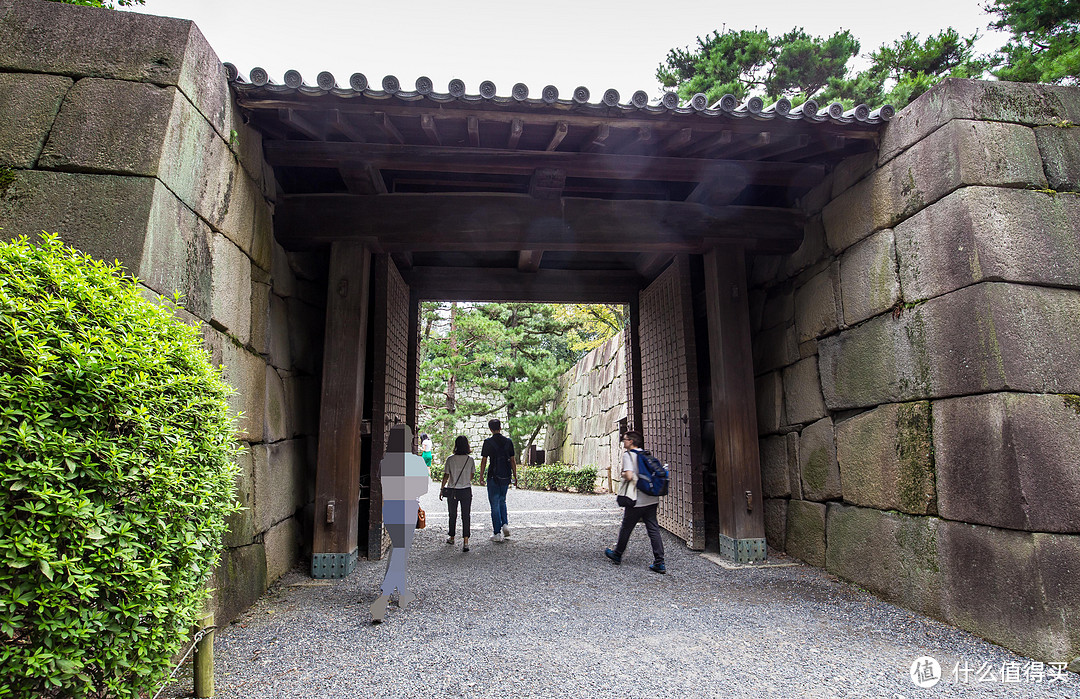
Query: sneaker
[[450, 540], [496, 537], [464, 549], [658, 568], [616, 558], [506, 532]]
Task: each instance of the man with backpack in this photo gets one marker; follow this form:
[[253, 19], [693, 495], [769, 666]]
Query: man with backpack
[[500, 450], [644, 505]]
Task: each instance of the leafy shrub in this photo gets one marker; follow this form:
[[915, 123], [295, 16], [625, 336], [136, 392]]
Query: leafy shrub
[[560, 476], [116, 475]]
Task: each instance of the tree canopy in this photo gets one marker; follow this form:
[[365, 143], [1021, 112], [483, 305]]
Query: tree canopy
[[1045, 44]]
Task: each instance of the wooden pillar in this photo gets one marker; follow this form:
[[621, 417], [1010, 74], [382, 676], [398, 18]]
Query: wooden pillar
[[337, 478], [738, 469], [634, 352], [412, 371]]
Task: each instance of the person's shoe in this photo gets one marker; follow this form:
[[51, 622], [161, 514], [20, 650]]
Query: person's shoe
[[616, 558], [450, 540], [496, 537], [506, 532], [465, 546], [658, 568]]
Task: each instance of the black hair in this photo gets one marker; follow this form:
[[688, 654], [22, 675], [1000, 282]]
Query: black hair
[[494, 425], [461, 445]]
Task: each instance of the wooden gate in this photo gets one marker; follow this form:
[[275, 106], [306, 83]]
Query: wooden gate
[[391, 386], [669, 397]]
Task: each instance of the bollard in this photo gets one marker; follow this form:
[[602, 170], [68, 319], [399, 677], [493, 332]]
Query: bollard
[[204, 659]]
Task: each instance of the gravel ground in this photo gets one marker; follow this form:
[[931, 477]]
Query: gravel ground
[[546, 615]]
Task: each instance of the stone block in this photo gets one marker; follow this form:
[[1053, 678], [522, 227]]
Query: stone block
[[231, 289], [283, 280], [242, 524], [993, 588], [985, 337], [779, 308], [892, 555], [886, 458], [775, 348], [1060, 150], [953, 98], [29, 104], [990, 233], [110, 126], [804, 537], [756, 301], [279, 481], [1009, 460], [776, 467], [276, 416], [1058, 559], [803, 401], [305, 335], [820, 474], [280, 349], [262, 239], [764, 268], [239, 580], [817, 304], [812, 249], [770, 402], [850, 170], [869, 280], [960, 153], [813, 201], [83, 41], [260, 317], [776, 522], [302, 401], [246, 373], [282, 542]]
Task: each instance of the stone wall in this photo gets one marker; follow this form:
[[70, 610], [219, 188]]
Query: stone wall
[[917, 367], [593, 394], [120, 134]]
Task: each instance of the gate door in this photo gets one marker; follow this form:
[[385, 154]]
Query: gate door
[[669, 398], [391, 385]]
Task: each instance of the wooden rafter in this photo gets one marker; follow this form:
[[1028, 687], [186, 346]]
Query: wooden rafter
[[516, 127], [302, 123], [529, 260], [561, 129], [427, 123], [388, 128]]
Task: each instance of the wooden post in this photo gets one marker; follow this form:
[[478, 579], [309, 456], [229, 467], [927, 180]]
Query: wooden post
[[738, 469], [337, 477], [634, 350], [204, 660]]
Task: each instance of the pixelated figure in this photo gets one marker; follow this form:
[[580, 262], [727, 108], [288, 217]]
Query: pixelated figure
[[404, 478]]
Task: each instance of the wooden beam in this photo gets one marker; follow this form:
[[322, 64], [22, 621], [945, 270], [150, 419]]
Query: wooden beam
[[718, 191], [516, 127], [388, 128], [676, 140], [762, 138], [362, 178], [427, 123], [547, 183], [529, 260], [506, 162], [650, 264], [546, 285], [597, 140], [561, 129], [302, 123], [344, 126], [474, 131], [513, 222], [738, 468], [706, 144], [779, 146]]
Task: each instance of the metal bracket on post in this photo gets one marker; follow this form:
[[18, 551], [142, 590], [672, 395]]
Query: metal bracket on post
[[332, 565], [743, 550]]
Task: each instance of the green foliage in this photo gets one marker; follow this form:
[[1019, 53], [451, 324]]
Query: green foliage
[[559, 476], [592, 324], [102, 3], [1045, 44], [7, 178], [116, 475]]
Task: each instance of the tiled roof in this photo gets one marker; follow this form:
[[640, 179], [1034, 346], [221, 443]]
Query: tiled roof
[[611, 102]]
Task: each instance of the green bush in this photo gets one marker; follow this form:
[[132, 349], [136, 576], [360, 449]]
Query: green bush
[[116, 474], [560, 476]]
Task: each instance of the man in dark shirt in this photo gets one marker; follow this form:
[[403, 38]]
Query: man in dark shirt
[[500, 450]]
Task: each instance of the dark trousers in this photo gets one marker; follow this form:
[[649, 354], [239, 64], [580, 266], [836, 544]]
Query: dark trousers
[[453, 497], [647, 514]]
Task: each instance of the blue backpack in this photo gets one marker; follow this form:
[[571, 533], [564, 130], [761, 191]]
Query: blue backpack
[[653, 476]]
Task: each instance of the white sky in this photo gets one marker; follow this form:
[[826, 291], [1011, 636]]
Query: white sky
[[566, 43]]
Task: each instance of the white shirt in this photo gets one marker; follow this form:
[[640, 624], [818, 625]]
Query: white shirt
[[629, 463], [460, 468], [425, 445]]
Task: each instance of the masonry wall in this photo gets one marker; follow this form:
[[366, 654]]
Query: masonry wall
[[593, 394], [120, 134], [917, 362]]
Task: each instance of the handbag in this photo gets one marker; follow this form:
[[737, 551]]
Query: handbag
[[627, 496], [421, 518]]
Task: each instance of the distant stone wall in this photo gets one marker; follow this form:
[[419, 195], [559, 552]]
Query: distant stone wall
[[120, 134], [917, 367], [593, 394]]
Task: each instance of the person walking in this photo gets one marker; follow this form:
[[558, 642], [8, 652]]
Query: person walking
[[457, 488], [644, 509], [426, 448], [500, 450]]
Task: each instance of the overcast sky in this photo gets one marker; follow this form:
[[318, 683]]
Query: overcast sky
[[566, 43]]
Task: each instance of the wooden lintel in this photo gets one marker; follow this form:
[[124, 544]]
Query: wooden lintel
[[344, 126], [597, 139], [427, 123], [302, 123], [388, 128], [474, 131], [529, 260], [507, 162], [516, 127], [676, 140], [514, 222], [546, 285], [547, 183], [561, 129]]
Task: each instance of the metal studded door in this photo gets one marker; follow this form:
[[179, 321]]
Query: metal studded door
[[669, 398], [389, 368]]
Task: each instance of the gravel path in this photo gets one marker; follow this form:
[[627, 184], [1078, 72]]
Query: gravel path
[[546, 615]]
